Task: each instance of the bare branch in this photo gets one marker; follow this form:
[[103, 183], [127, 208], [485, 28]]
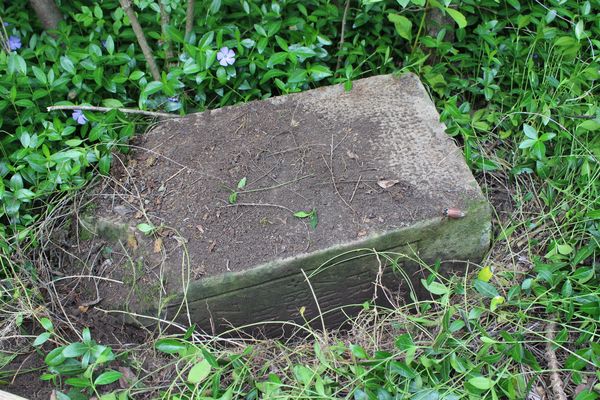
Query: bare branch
[[342, 33], [164, 22], [139, 34], [189, 20], [555, 382], [47, 12], [107, 109]]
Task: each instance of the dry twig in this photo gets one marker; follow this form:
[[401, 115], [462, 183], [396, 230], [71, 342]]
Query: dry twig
[[107, 109], [164, 22], [555, 382]]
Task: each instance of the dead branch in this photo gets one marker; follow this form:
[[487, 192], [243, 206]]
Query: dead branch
[[47, 12], [189, 20], [164, 22], [107, 109], [139, 34], [555, 382], [341, 44]]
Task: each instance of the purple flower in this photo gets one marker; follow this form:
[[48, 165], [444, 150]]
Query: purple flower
[[226, 56], [14, 42], [173, 99], [79, 117]]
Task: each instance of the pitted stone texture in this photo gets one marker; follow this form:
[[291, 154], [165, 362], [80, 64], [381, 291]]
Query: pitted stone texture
[[324, 149]]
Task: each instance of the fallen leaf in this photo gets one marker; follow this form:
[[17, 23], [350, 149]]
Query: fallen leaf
[[361, 233], [158, 245], [200, 228], [387, 183], [127, 378], [211, 245], [138, 215], [132, 241], [352, 155], [83, 309], [150, 161]]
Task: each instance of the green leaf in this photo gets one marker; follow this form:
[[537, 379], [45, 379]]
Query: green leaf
[[112, 103], [530, 132], [146, 228], [39, 74], [457, 16], [67, 65], [78, 382], [436, 288], [221, 75], [404, 342], [75, 350], [41, 339], [46, 324], [199, 372], [481, 383], [108, 377], [564, 249], [261, 31], [496, 302], [590, 125], [136, 75], [402, 24], [55, 357], [358, 351], [276, 59], [485, 289], [485, 274], [242, 183], [586, 394], [86, 335], [109, 44], [579, 30], [301, 214], [233, 198], [318, 72], [170, 346]]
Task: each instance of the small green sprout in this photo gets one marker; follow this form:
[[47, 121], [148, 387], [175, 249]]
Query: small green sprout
[[234, 194], [311, 215]]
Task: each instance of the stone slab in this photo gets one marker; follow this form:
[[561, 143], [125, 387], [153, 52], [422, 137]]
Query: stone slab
[[374, 163]]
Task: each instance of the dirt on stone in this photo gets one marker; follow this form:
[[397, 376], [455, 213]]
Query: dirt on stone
[[184, 178]]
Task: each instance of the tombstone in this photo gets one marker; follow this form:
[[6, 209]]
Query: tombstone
[[294, 208]]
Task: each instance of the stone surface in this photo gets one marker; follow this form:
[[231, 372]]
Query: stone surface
[[374, 163]]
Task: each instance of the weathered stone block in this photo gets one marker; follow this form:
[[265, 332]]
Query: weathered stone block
[[222, 187]]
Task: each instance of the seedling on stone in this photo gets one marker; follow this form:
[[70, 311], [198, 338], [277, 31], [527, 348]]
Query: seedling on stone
[[147, 229], [234, 194], [311, 215]]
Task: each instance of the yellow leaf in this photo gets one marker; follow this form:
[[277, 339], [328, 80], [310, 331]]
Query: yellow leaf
[[485, 274]]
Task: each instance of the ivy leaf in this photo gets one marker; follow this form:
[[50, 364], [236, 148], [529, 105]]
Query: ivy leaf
[[146, 229], [199, 372], [402, 24], [107, 378], [457, 16], [67, 65], [481, 382], [170, 346]]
